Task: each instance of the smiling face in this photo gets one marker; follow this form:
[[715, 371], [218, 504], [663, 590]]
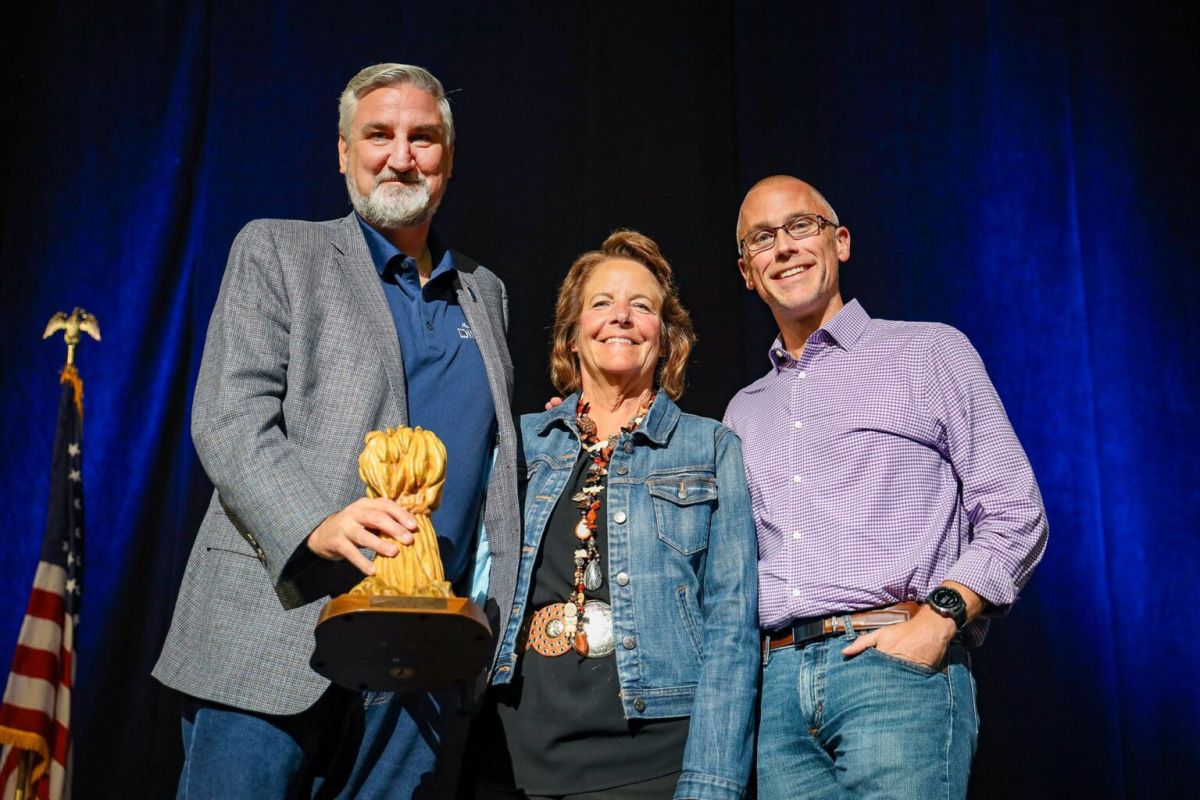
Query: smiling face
[[618, 335], [396, 161], [798, 279]]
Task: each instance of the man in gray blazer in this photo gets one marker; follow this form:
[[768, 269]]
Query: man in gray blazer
[[322, 332]]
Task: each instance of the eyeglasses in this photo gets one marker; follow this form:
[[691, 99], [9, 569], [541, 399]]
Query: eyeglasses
[[798, 227]]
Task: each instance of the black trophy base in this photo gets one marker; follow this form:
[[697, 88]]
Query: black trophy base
[[401, 644]]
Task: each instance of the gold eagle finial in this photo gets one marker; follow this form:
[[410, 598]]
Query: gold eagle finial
[[78, 320]]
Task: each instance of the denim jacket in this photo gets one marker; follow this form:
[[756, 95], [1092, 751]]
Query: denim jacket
[[682, 575]]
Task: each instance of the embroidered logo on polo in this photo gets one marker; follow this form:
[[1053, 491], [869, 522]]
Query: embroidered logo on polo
[[465, 332]]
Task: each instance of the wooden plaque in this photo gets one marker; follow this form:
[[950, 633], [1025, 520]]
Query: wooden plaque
[[398, 644]]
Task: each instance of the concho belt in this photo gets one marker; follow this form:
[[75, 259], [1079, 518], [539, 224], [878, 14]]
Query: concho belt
[[548, 634]]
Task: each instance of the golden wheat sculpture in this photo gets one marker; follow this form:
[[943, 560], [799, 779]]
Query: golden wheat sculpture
[[407, 465]]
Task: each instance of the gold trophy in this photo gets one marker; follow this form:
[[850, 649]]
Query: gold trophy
[[402, 628]]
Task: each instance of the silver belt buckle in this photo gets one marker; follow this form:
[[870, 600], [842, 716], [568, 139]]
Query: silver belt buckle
[[597, 624]]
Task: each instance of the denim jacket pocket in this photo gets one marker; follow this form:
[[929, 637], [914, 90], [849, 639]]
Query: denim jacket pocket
[[683, 504], [690, 617]]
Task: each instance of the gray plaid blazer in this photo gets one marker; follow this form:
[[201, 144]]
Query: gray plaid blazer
[[301, 361]]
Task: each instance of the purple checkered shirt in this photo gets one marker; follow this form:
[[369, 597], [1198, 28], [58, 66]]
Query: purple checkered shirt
[[880, 464]]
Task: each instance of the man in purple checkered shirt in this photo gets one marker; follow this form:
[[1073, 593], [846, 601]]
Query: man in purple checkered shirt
[[883, 473]]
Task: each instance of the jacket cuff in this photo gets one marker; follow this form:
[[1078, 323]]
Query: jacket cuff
[[699, 786], [307, 577]]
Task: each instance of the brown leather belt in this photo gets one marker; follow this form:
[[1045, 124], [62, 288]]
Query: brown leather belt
[[803, 631]]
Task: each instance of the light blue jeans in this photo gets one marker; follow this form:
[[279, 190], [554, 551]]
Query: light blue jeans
[[348, 745], [871, 726]]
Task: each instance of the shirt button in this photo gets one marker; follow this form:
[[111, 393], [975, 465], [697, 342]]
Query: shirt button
[[796, 479], [428, 325], [504, 669], [629, 447], [639, 704], [797, 424], [619, 517], [801, 374], [622, 470], [516, 612], [622, 579], [797, 535], [795, 592], [629, 642]]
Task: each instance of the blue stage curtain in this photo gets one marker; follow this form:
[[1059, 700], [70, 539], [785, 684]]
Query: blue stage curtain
[[1023, 171]]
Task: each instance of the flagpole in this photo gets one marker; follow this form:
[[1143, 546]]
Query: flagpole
[[23, 771], [36, 704]]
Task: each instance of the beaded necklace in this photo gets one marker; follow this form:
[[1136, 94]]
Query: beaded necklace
[[588, 575]]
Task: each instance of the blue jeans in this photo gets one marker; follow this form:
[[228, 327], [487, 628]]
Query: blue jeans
[[871, 726], [347, 745]]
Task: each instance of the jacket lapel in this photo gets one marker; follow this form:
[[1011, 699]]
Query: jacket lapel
[[487, 337], [362, 280]]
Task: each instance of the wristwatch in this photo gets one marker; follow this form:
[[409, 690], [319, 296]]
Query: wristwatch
[[949, 603]]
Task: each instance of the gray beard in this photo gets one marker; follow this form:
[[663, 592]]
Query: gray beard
[[392, 207]]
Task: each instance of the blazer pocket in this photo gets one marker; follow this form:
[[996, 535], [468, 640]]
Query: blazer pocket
[[683, 505], [226, 536]]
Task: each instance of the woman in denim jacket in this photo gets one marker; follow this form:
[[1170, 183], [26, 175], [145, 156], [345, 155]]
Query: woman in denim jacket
[[629, 665]]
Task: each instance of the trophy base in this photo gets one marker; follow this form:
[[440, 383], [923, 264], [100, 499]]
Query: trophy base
[[399, 644]]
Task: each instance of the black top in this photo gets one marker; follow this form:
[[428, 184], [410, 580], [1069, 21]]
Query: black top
[[562, 717]]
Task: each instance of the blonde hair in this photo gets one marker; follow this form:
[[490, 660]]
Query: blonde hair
[[676, 338]]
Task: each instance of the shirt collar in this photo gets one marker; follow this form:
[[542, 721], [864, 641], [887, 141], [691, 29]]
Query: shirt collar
[[563, 413], [659, 423], [848, 325], [383, 251], [845, 329]]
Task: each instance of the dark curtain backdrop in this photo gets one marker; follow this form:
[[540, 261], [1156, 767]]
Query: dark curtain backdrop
[[1023, 171]]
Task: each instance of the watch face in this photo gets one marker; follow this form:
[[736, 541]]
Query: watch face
[[946, 598]]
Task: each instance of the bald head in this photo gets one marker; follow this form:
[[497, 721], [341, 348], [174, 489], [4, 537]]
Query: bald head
[[801, 192], [795, 265]]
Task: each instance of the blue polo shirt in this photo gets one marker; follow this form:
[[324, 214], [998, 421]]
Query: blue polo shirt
[[447, 386]]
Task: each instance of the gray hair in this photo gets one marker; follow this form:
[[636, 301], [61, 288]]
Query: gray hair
[[378, 76]]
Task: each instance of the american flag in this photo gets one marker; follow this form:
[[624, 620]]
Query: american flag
[[35, 718]]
